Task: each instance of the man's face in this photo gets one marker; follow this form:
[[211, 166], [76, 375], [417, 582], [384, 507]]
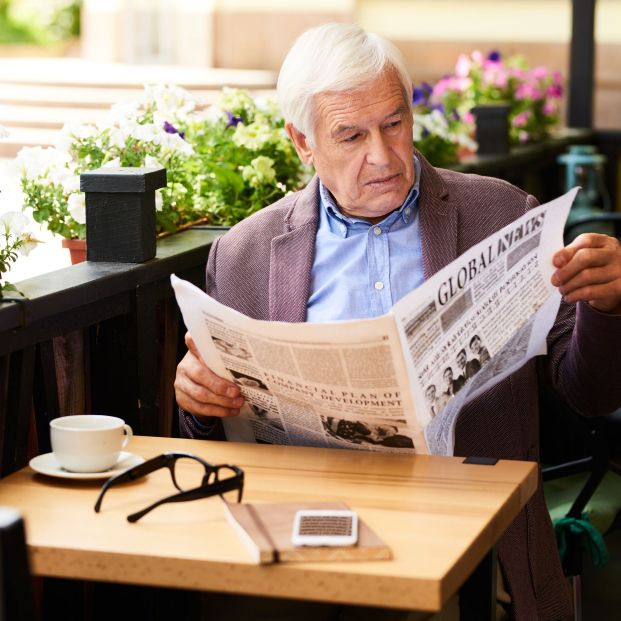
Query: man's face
[[461, 359], [475, 346], [448, 376], [363, 150]]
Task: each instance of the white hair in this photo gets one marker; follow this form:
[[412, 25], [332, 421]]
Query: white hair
[[331, 58]]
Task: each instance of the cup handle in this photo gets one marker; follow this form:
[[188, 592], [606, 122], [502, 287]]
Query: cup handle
[[129, 434]]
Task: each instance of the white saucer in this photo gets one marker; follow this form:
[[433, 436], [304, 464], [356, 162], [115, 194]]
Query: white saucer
[[47, 464]]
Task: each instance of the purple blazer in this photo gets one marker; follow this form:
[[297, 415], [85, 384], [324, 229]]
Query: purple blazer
[[262, 267]]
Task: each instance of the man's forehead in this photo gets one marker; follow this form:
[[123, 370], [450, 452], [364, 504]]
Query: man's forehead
[[380, 98]]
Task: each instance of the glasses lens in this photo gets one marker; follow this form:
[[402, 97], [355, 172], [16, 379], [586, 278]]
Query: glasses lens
[[224, 474], [189, 473]]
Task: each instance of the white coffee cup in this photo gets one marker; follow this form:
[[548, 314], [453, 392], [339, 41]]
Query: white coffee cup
[[88, 442]]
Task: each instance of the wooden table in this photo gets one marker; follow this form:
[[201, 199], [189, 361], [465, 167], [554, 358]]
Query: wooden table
[[440, 517]]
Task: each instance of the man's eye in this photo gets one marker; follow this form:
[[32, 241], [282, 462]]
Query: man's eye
[[352, 138], [393, 124]]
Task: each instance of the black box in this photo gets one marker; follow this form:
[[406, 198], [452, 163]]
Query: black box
[[120, 213]]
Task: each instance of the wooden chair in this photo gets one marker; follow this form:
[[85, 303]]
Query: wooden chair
[[600, 440], [16, 593], [608, 222]]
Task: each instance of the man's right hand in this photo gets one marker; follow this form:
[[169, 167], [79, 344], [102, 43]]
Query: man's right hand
[[200, 391]]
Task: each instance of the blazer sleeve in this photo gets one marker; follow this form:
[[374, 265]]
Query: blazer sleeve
[[583, 346]]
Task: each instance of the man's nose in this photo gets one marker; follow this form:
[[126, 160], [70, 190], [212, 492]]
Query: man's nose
[[378, 151]]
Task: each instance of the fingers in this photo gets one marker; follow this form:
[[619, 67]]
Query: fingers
[[200, 391], [191, 345], [589, 269]]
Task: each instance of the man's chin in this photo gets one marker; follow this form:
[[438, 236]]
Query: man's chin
[[386, 203]]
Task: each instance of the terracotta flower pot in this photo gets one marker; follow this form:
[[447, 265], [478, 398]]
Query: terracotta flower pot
[[77, 249]]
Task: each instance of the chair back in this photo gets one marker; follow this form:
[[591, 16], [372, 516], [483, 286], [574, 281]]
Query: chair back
[[16, 603], [607, 222]]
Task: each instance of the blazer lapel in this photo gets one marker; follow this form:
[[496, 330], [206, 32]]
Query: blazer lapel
[[438, 221], [292, 254], [291, 258]]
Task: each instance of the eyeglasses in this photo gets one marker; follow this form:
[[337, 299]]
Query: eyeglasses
[[192, 480]]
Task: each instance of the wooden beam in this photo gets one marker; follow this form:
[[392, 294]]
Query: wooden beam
[[581, 64]]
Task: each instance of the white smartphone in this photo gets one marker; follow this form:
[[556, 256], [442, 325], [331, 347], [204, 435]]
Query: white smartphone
[[325, 527]]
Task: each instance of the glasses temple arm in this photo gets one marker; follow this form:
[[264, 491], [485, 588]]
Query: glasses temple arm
[[220, 487], [140, 470]]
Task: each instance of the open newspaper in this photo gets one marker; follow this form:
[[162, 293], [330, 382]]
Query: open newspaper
[[397, 382]]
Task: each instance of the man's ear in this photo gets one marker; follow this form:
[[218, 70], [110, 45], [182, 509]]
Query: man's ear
[[300, 143]]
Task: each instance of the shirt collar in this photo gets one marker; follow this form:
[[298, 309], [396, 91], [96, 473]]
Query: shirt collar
[[340, 223]]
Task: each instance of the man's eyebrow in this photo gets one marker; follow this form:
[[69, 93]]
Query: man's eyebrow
[[342, 129]]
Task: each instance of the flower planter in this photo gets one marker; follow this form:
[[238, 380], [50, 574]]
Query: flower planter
[[77, 249], [492, 128]]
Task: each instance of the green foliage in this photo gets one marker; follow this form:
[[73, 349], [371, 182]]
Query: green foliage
[[222, 164], [39, 23], [14, 240]]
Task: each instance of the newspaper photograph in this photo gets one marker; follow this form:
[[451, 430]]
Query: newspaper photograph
[[394, 383]]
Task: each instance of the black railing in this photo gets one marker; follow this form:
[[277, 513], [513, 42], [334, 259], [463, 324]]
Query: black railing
[[101, 337]]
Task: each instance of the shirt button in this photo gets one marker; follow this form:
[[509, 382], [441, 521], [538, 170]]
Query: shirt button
[[377, 230], [343, 228], [379, 285], [407, 211]]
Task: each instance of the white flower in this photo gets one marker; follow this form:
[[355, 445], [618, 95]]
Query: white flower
[[13, 222], [159, 200], [28, 243], [71, 183], [61, 175], [121, 113], [168, 99], [76, 205], [261, 170], [253, 136], [148, 132], [212, 115], [116, 137], [152, 162], [235, 101], [71, 132], [4, 132], [113, 163], [37, 162], [175, 142], [269, 107]]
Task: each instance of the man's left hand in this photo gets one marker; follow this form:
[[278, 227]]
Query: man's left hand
[[589, 269]]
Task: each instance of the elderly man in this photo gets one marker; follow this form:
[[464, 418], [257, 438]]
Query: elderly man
[[374, 223]]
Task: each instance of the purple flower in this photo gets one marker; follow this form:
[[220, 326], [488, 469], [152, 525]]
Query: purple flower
[[418, 96], [426, 87], [421, 94], [234, 121], [169, 128], [494, 56]]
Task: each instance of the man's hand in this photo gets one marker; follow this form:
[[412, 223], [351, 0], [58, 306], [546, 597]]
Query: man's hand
[[589, 269], [200, 391]]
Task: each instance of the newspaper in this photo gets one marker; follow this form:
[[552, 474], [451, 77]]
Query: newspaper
[[397, 382]]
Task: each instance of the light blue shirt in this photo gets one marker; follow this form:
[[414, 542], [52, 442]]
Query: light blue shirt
[[380, 263]]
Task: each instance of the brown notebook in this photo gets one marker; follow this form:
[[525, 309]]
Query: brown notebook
[[266, 530]]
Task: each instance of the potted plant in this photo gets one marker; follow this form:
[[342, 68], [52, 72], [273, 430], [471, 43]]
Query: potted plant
[[533, 96], [223, 162]]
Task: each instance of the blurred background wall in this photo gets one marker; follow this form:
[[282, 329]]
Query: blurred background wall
[[253, 34]]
